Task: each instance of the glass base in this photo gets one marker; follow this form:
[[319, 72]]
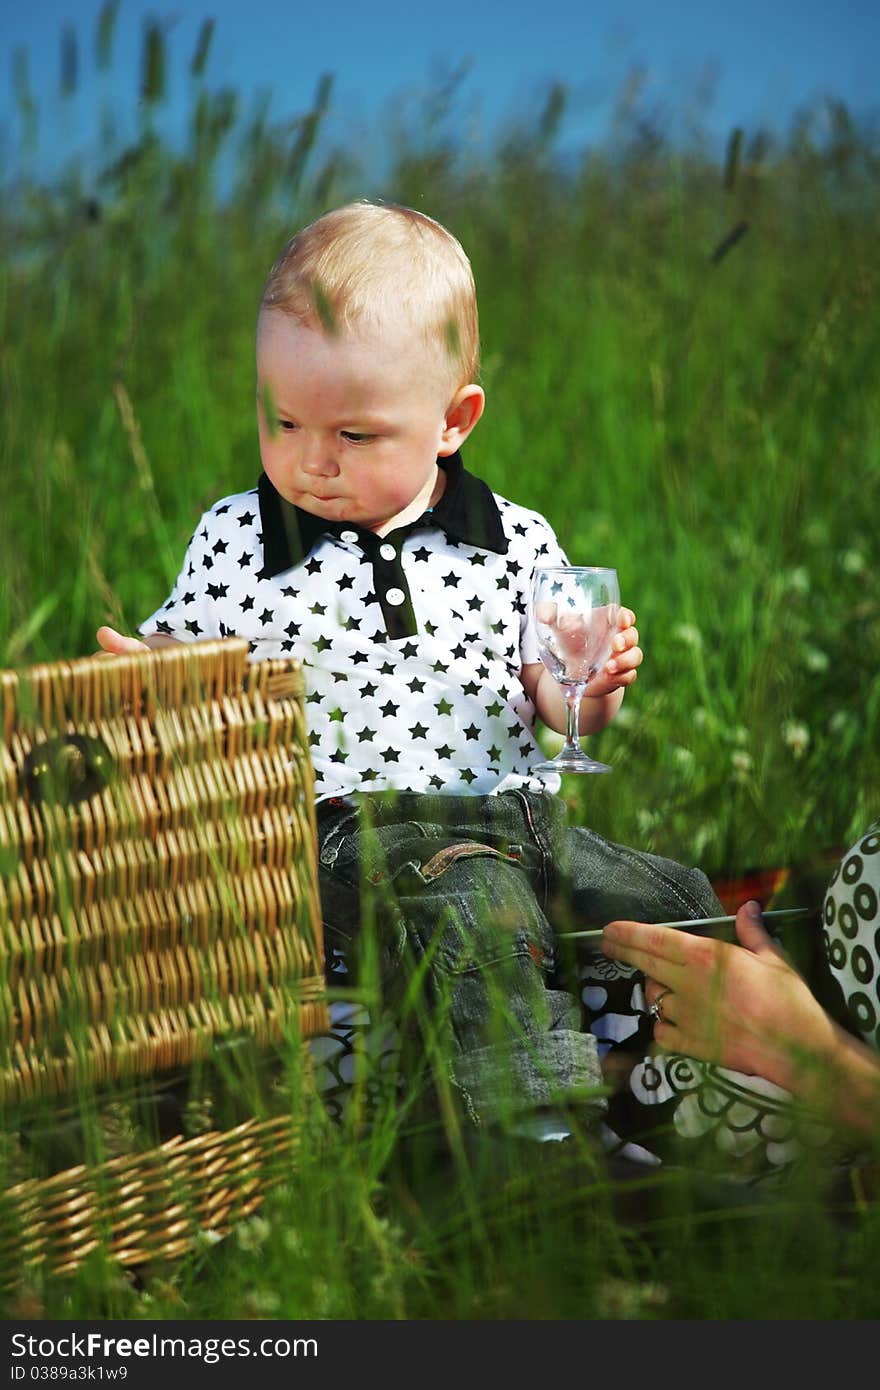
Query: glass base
[[572, 762]]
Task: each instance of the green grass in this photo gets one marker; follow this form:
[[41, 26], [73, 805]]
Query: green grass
[[711, 427]]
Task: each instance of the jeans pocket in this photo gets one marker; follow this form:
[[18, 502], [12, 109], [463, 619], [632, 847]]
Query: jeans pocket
[[473, 907], [375, 855], [362, 870]]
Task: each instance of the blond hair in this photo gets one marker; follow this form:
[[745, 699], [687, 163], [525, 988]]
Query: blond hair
[[365, 264]]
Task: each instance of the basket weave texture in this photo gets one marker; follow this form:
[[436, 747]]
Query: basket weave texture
[[158, 896]]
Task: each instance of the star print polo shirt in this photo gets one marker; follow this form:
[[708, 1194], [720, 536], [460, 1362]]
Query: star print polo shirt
[[412, 643]]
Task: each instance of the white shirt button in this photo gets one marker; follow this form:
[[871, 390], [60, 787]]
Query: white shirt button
[[348, 535], [395, 597], [387, 552]]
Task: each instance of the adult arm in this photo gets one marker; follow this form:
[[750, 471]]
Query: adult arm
[[745, 1007]]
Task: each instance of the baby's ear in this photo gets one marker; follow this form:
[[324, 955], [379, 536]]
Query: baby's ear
[[464, 411]]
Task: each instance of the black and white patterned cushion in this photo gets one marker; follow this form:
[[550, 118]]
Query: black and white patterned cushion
[[851, 915]]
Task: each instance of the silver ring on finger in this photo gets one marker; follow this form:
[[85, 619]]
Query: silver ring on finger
[[656, 1009]]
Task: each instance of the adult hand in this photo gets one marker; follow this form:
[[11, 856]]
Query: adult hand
[[742, 1006]]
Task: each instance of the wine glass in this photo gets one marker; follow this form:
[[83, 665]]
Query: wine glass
[[575, 609]]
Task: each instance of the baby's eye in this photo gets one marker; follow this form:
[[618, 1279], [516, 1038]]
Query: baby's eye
[[286, 425], [354, 438]]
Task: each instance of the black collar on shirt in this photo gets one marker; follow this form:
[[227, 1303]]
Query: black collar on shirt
[[467, 512]]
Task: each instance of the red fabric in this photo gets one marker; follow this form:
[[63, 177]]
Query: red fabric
[[760, 884]]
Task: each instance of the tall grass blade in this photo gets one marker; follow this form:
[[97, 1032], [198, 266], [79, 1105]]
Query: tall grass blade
[[69, 61], [104, 32], [19, 641], [550, 119], [731, 164], [24, 100], [728, 242], [307, 128], [202, 48], [153, 63], [324, 308]]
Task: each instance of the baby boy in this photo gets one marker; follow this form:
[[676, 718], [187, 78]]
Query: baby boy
[[401, 581]]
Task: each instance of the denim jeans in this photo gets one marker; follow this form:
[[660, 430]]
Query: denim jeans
[[456, 902]]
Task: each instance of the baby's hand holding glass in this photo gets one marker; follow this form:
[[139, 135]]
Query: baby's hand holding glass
[[621, 668], [576, 612], [574, 641]]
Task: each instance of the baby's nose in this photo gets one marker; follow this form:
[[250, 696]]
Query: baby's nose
[[318, 460]]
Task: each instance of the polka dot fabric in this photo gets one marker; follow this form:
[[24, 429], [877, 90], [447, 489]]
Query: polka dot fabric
[[852, 932]]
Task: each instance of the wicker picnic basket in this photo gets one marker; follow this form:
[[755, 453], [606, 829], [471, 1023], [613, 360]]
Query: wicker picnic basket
[[159, 916]]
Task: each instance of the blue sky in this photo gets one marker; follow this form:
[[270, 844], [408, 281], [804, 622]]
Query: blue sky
[[760, 60]]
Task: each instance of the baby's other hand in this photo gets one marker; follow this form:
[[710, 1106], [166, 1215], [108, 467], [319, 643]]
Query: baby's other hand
[[114, 643], [621, 668]]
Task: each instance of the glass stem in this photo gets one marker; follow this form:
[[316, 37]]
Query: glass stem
[[573, 695]]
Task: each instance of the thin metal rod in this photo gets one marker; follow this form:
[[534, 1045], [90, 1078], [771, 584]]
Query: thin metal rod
[[701, 921]]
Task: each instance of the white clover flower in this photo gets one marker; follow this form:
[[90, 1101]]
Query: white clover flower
[[741, 734], [796, 736], [841, 719], [625, 717], [645, 819], [853, 561], [798, 580], [739, 543], [815, 659], [689, 634], [263, 1302], [741, 762], [621, 1300], [682, 756], [700, 717], [252, 1234]]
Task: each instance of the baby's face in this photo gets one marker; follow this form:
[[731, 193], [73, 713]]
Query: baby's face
[[359, 421]]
